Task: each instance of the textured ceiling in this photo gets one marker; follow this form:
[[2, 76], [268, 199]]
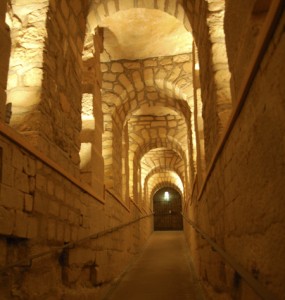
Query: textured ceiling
[[141, 33]]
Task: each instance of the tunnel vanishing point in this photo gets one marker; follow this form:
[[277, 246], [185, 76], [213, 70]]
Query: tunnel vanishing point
[[104, 103]]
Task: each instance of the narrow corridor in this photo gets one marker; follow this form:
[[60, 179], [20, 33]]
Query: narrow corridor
[[123, 117], [162, 271]]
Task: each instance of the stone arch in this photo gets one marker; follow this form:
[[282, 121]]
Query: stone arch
[[155, 161], [162, 179], [155, 171], [211, 34], [127, 89], [123, 85], [120, 96], [167, 143], [164, 184]]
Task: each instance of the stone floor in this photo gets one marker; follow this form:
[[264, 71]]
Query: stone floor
[[161, 272]]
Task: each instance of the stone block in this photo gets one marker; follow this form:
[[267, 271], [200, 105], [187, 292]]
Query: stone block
[[21, 181], [63, 213], [74, 233], [81, 256], [101, 258], [67, 233], [109, 77], [53, 208], [132, 65], [32, 185], [117, 67], [40, 203], [123, 79], [30, 166], [107, 86], [60, 231], [7, 220], [72, 275], [17, 159], [51, 229], [32, 231], [8, 175], [59, 192], [28, 203], [149, 77], [50, 187], [21, 225], [11, 198], [41, 184], [138, 81]]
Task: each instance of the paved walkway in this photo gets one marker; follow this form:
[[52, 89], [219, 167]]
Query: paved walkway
[[161, 272]]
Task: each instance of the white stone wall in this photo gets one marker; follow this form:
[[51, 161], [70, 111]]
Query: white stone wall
[[241, 207], [41, 209], [137, 87]]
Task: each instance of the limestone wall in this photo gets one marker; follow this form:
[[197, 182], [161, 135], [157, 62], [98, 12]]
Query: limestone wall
[[45, 76], [242, 206], [40, 209], [161, 84], [243, 21], [206, 19]]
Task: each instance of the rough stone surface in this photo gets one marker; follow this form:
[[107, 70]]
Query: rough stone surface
[[88, 140]]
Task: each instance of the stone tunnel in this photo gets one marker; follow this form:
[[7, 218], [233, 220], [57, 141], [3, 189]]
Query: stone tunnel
[[111, 110]]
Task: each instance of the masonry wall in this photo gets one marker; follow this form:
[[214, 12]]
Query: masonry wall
[[41, 209], [242, 206], [62, 80], [248, 18], [131, 86], [206, 19], [45, 74]]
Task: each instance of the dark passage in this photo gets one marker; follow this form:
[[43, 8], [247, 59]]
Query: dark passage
[[167, 207]]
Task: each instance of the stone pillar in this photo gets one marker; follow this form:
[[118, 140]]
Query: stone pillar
[[198, 120], [5, 47], [28, 28], [125, 165], [98, 178], [45, 76], [92, 163]]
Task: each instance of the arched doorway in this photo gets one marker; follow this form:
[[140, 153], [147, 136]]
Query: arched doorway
[[167, 206]]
